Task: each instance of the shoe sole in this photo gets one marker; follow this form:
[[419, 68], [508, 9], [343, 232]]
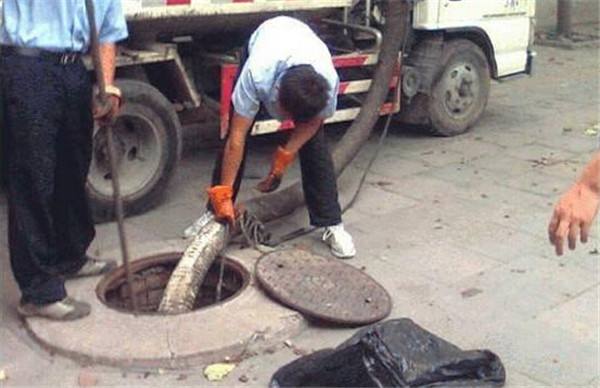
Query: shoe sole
[[337, 253], [340, 256], [30, 314], [109, 267]]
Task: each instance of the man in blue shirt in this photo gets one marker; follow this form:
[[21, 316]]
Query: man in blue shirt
[[289, 71], [48, 125]]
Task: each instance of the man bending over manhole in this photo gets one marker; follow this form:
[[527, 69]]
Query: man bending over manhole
[[289, 71]]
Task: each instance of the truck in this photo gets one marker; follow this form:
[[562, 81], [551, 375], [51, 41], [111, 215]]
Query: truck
[[177, 71]]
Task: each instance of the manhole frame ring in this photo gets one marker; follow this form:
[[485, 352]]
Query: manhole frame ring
[[164, 258]]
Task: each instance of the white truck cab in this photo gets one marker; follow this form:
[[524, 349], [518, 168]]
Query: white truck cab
[[458, 46], [506, 25]]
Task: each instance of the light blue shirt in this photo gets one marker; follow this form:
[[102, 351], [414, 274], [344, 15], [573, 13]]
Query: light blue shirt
[[59, 25], [277, 45]]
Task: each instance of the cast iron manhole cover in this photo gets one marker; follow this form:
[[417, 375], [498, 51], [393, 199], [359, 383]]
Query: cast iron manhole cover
[[323, 288]]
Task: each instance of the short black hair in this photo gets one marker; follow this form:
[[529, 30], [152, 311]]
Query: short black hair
[[303, 92]]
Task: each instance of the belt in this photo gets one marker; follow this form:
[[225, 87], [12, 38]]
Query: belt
[[63, 58]]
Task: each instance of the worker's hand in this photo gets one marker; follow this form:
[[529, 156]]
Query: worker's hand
[[105, 114], [573, 216], [270, 183], [221, 199], [281, 161]]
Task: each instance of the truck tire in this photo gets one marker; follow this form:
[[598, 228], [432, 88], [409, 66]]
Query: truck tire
[[147, 136], [460, 91]]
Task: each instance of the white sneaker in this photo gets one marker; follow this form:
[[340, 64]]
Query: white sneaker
[[340, 241], [67, 309], [197, 226], [93, 267]]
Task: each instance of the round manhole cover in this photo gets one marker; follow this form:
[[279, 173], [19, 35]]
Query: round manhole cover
[[323, 288]]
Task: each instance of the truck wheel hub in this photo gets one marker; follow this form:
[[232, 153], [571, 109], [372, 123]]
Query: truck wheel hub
[[461, 89], [137, 151]]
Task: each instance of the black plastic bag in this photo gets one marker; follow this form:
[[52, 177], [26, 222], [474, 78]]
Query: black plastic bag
[[395, 353]]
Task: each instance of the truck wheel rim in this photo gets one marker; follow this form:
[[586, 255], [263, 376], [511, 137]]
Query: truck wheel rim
[[138, 152], [461, 90]]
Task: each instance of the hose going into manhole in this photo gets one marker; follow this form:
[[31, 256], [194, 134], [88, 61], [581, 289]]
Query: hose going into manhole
[[183, 285]]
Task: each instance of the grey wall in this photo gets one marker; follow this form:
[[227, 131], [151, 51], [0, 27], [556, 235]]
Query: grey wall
[[585, 12]]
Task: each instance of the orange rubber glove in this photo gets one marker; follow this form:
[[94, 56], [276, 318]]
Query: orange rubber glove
[[281, 161], [222, 203]]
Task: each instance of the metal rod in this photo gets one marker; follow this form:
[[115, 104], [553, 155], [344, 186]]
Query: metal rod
[[220, 282], [103, 100], [346, 18]]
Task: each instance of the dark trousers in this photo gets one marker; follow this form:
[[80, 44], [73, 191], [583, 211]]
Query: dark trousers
[[48, 129], [318, 180]]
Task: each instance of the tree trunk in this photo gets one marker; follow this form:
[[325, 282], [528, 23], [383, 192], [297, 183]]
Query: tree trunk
[[564, 18]]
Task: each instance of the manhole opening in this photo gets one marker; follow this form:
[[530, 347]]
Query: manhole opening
[[151, 275]]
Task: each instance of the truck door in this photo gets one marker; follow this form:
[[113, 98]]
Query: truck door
[[506, 22], [465, 10]]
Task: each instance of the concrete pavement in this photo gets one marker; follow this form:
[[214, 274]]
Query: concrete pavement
[[454, 228]]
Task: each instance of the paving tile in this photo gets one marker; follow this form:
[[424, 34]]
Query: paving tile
[[191, 179], [171, 221], [443, 262], [568, 170], [472, 149], [578, 316], [349, 181], [17, 357], [573, 141], [503, 164], [408, 225], [423, 188], [515, 379], [434, 157], [408, 142], [546, 353], [389, 164], [107, 239], [466, 175], [586, 256], [492, 194], [539, 183], [517, 291], [537, 152], [496, 116], [532, 220], [497, 242], [477, 225], [506, 138], [375, 201]]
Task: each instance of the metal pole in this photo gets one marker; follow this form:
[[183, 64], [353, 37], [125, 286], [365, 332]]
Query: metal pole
[[103, 100], [564, 18], [220, 282]]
